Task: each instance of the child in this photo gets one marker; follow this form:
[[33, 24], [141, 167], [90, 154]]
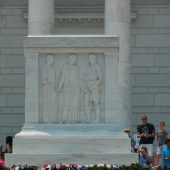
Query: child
[[166, 155], [162, 135], [144, 159], [136, 142]]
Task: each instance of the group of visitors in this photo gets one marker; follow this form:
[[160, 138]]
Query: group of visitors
[[143, 141]]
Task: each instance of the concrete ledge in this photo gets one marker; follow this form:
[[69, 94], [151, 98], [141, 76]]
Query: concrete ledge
[[71, 139], [81, 159]]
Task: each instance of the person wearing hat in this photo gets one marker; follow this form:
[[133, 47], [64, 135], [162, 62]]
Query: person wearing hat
[[127, 131], [166, 155], [146, 133]]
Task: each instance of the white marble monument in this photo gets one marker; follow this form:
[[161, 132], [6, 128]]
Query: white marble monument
[[76, 94]]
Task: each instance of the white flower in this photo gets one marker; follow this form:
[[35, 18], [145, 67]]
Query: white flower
[[91, 165], [49, 166], [100, 165], [116, 166], [108, 166], [17, 168], [23, 166]]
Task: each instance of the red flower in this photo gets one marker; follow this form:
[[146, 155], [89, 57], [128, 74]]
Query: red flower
[[74, 165], [64, 166], [55, 166], [5, 168], [45, 165]]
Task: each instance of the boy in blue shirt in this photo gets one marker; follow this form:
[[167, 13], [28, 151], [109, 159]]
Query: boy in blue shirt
[[166, 155], [144, 159]]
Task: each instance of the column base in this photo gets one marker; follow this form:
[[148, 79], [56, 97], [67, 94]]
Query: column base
[[71, 143], [80, 159]]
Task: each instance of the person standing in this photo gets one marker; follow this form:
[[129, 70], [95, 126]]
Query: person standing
[[166, 155], [136, 140], [146, 132], [162, 136]]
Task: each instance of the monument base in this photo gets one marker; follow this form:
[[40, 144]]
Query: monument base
[[80, 159], [71, 143]]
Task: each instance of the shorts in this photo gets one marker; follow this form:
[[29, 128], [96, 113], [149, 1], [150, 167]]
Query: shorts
[[166, 168], [159, 149], [149, 148]]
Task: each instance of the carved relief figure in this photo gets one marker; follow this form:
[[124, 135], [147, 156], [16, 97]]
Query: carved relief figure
[[70, 81], [92, 85], [48, 79]]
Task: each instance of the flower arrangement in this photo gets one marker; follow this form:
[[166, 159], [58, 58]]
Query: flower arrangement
[[23, 167], [133, 166], [76, 167], [61, 166]]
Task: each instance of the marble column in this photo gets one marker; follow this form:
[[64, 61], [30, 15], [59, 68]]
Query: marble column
[[41, 17], [31, 88], [111, 102], [117, 22]]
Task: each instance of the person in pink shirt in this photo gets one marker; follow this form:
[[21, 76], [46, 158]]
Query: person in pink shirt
[[2, 162]]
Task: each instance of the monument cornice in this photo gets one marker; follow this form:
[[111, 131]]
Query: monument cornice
[[72, 41], [85, 2], [72, 44], [80, 16], [150, 2]]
